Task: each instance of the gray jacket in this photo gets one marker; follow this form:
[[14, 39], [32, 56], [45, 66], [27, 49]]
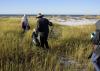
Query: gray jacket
[[97, 50]]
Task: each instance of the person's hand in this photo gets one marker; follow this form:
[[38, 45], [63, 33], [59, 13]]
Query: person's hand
[[50, 23]]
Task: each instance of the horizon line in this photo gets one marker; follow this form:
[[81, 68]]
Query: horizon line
[[47, 14]]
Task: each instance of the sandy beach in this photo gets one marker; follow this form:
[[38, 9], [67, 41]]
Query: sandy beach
[[75, 22]]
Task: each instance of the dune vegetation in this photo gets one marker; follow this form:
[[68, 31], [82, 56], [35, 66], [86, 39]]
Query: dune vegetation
[[70, 47]]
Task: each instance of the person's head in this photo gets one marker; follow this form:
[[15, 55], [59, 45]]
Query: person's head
[[97, 25], [25, 16], [39, 15], [25, 20]]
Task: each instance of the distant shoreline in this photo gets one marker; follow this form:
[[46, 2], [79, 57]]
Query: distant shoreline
[[70, 20], [47, 15]]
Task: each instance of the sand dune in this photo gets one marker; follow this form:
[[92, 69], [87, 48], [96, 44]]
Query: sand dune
[[75, 22]]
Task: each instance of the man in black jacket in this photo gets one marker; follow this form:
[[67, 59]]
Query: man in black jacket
[[43, 29]]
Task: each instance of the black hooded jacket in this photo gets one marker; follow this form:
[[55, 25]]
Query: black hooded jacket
[[43, 25]]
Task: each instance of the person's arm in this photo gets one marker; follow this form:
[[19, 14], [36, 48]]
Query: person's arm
[[50, 23]]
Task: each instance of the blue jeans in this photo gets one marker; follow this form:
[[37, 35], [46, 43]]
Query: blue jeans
[[94, 60]]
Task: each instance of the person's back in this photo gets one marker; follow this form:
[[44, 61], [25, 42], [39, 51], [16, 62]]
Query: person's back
[[43, 25]]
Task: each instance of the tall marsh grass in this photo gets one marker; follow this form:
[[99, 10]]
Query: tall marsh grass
[[69, 48]]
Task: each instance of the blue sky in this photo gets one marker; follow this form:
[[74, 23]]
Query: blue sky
[[50, 6]]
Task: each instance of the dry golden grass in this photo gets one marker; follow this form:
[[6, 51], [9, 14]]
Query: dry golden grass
[[67, 44]]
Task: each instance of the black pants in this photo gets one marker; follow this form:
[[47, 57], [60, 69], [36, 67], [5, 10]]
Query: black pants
[[43, 39]]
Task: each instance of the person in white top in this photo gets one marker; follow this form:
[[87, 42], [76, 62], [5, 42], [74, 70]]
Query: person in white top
[[25, 24]]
